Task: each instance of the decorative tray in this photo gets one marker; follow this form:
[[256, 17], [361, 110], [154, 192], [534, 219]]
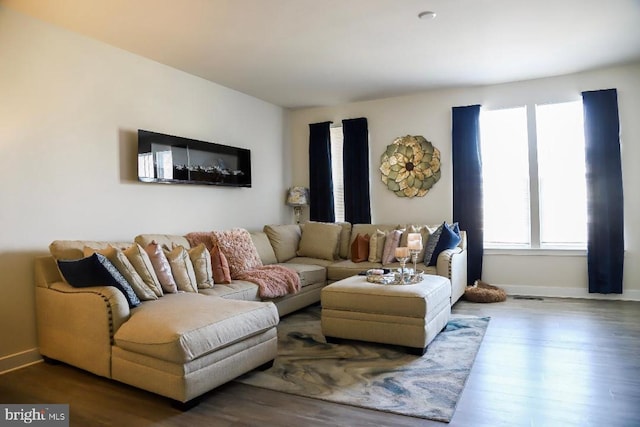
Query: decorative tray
[[395, 278], [381, 279]]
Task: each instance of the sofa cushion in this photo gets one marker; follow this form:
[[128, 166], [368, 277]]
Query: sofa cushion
[[360, 248], [74, 249], [310, 261], [449, 238], [166, 241], [264, 248], [96, 270], [121, 262], [201, 260], [320, 240], [369, 229], [430, 246], [142, 263], [238, 248], [345, 239], [220, 266], [347, 268], [284, 239], [182, 269], [183, 327], [391, 242], [309, 274], [376, 246], [162, 267], [235, 289], [424, 230]]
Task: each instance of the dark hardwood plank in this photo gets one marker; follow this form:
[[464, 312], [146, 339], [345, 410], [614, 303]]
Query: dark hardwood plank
[[550, 362]]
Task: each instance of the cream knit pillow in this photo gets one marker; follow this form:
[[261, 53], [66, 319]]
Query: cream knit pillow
[[142, 263], [376, 246], [201, 260], [182, 269]]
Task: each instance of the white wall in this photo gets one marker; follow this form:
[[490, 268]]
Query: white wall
[[429, 114], [70, 108]]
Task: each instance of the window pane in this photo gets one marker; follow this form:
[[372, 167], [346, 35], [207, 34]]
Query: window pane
[[336, 173], [561, 174], [505, 174]]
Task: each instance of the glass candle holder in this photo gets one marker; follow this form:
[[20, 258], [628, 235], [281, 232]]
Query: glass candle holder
[[414, 259], [402, 255]]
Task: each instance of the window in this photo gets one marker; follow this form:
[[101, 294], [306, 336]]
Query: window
[[533, 168], [561, 174], [505, 181], [336, 173]]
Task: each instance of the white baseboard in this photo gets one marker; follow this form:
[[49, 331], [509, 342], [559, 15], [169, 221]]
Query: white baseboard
[[548, 291], [19, 360]]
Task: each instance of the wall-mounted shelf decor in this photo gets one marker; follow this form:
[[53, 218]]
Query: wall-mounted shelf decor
[[175, 160], [410, 166]]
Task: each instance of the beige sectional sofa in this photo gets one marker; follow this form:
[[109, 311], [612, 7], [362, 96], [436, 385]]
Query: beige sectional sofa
[[185, 344]]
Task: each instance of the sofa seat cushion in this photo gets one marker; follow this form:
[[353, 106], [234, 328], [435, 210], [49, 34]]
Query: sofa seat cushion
[[347, 268], [309, 261], [309, 274], [237, 289], [183, 327]]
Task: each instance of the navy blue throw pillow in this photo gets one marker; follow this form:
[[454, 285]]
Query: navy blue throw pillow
[[97, 270], [449, 238]]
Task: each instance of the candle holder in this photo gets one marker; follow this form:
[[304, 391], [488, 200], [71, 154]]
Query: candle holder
[[403, 265], [414, 259]]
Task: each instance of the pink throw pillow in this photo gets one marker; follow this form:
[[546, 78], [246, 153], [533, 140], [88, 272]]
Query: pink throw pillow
[[161, 267], [237, 246], [220, 266]]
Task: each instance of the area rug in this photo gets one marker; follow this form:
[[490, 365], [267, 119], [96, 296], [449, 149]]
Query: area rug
[[373, 376]]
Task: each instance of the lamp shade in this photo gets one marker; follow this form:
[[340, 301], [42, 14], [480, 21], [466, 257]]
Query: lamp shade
[[298, 196]]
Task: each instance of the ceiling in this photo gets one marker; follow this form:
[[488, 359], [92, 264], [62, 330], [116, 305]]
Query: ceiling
[[301, 53]]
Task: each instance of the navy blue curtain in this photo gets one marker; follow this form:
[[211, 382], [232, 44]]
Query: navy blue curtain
[[355, 157], [320, 182], [605, 230], [467, 184]]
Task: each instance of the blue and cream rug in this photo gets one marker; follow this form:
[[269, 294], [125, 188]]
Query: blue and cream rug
[[374, 376]]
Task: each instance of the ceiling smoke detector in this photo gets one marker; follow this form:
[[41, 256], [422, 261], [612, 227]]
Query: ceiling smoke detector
[[426, 15]]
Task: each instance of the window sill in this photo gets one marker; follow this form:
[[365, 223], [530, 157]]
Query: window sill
[[535, 252]]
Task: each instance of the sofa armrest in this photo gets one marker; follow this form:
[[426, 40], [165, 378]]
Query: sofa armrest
[[452, 263], [77, 325]]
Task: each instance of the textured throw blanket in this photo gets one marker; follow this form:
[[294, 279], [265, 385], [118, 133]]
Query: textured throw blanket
[[273, 280]]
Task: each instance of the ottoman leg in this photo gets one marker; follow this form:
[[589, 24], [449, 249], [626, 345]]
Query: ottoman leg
[[185, 406], [266, 366], [332, 340], [417, 351]]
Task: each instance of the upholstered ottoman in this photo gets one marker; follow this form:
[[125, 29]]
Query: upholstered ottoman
[[406, 315]]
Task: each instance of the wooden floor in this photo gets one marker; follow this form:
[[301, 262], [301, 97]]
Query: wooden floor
[[551, 362]]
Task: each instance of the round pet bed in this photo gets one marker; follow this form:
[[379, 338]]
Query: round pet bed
[[484, 292]]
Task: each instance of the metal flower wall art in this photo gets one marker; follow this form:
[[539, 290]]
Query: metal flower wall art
[[410, 166]]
